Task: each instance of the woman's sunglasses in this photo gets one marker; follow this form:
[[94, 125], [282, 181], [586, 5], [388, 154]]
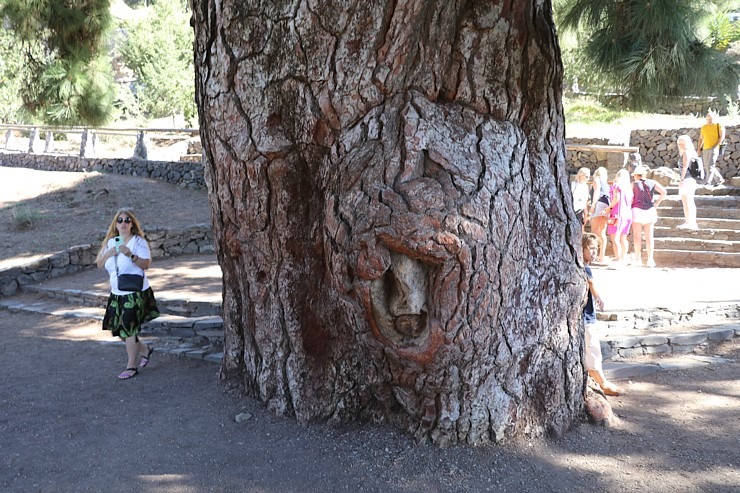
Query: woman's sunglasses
[[126, 220]]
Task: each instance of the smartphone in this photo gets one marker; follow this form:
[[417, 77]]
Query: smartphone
[[118, 241]]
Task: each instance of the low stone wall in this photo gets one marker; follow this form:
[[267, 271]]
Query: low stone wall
[[630, 347], [658, 148], [182, 174], [588, 159], [669, 106], [641, 321], [162, 242]]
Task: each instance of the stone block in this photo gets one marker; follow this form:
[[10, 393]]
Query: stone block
[[688, 339], [210, 334], [196, 354], [653, 340], [625, 342], [180, 350], [215, 357], [607, 351], [11, 287], [209, 323], [721, 334], [190, 248], [631, 352], [678, 348], [177, 309], [181, 332], [662, 349]]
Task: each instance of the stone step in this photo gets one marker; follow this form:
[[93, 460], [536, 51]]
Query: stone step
[[702, 212], [725, 201], [699, 234], [210, 327], [724, 190], [720, 191], [703, 222], [91, 298], [689, 258], [696, 244]]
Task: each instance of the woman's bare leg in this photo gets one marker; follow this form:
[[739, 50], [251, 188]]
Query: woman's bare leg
[[616, 246], [637, 239], [649, 243]]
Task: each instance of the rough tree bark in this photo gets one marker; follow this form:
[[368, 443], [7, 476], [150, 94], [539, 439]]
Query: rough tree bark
[[391, 215]]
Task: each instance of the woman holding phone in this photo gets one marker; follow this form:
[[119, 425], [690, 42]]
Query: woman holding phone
[[125, 255]]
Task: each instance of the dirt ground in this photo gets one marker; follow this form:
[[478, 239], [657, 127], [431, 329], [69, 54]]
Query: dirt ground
[[68, 425], [48, 211]]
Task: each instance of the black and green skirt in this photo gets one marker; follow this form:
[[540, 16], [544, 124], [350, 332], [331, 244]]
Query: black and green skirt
[[125, 313]]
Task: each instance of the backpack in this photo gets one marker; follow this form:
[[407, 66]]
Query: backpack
[[696, 168], [642, 195]]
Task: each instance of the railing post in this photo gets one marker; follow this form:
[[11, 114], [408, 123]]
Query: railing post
[[8, 134], [87, 143], [140, 151], [49, 147], [33, 141]]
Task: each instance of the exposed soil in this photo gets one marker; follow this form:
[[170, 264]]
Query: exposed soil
[[47, 211], [68, 425]]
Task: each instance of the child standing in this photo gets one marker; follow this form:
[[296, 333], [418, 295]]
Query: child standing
[[590, 244]]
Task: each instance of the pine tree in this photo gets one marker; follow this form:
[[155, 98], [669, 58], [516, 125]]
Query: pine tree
[[650, 50], [67, 76]]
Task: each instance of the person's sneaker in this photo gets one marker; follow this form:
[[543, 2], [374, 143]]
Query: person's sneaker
[[650, 263]]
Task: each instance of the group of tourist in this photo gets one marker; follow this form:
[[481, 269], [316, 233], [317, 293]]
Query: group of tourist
[[620, 208], [631, 206], [624, 206]]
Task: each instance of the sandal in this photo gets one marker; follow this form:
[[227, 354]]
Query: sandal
[[145, 359], [125, 375]]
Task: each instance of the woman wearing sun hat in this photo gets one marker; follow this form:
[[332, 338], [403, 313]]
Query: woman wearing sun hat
[[644, 212]]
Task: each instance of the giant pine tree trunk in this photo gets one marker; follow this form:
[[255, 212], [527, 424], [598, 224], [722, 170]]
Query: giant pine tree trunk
[[391, 213]]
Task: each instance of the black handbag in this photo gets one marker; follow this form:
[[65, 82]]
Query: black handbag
[[129, 282]]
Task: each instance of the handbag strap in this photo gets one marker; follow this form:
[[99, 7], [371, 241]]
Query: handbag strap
[[136, 242]]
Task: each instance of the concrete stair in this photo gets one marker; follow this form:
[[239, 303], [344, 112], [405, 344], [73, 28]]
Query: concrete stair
[[715, 244]]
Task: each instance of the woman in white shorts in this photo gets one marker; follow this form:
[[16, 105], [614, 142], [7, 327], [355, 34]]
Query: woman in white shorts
[[687, 185], [644, 212]]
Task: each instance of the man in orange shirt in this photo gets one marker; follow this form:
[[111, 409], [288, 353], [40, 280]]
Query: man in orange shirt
[[712, 136]]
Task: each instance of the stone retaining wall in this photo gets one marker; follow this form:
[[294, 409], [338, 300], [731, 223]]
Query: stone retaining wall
[[162, 242], [669, 106], [657, 148], [630, 347], [589, 159], [725, 319], [182, 174]]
